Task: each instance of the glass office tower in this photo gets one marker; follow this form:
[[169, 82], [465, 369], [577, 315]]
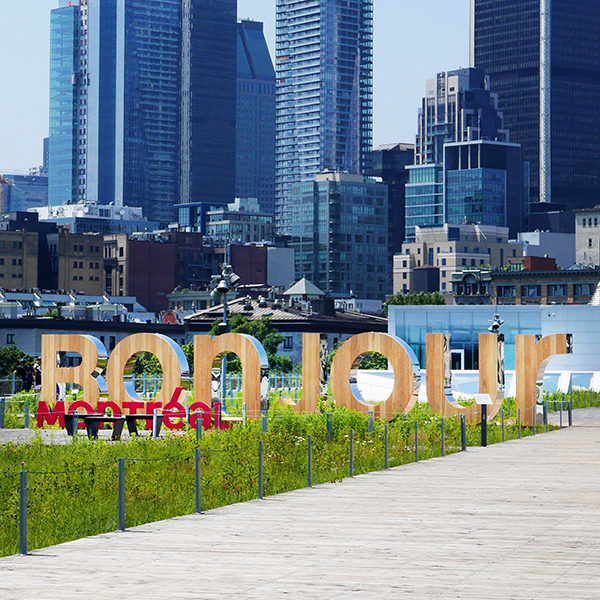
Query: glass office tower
[[255, 129], [208, 108], [64, 46], [543, 59], [324, 92]]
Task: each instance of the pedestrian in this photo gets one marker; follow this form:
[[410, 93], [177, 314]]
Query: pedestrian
[[37, 377], [25, 372]]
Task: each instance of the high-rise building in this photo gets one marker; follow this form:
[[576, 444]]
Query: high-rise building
[[340, 234], [114, 104], [466, 170], [138, 90], [543, 59], [255, 167], [324, 92], [208, 108]]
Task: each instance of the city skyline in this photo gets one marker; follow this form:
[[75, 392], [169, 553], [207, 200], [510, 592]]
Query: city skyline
[[399, 70]]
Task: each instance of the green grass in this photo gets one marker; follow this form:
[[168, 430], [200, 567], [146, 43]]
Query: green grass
[[72, 490]]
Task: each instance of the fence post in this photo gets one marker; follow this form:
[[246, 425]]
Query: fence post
[[463, 432], [75, 424], [23, 513], [484, 425], [309, 461], [2, 409], [416, 441], [571, 413], [546, 417], [329, 427], [198, 427], [352, 453], [443, 439], [264, 422], [386, 446], [503, 425], [14, 385], [155, 423], [121, 464], [260, 470], [370, 421], [534, 410], [198, 481], [519, 419], [560, 413], [244, 411], [26, 414]]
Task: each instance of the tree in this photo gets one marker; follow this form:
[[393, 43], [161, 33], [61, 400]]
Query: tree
[[373, 361], [10, 357], [415, 299], [265, 332]]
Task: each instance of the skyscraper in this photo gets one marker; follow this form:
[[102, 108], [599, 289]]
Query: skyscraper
[[208, 108], [324, 92], [543, 58], [114, 104], [142, 104], [465, 166], [255, 128]]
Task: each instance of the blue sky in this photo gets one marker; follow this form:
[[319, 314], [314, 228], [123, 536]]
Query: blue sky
[[413, 41]]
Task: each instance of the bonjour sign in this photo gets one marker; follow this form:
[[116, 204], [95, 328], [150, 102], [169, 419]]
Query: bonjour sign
[[116, 391]]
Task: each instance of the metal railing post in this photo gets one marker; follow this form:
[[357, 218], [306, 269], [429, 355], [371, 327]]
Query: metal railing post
[[519, 419], [310, 461], [26, 414], [75, 424], [264, 422], [443, 439], [23, 513], [416, 441], [570, 413], [198, 481], [560, 413], [534, 411], [503, 425], [463, 432], [484, 425], [546, 417], [198, 427], [2, 410], [260, 470], [121, 465], [244, 412], [155, 423], [329, 427], [386, 446], [352, 453], [370, 421]]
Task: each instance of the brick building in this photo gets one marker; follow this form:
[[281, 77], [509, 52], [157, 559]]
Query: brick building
[[80, 261]]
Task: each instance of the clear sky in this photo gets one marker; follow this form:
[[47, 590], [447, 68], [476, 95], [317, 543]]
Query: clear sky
[[413, 40]]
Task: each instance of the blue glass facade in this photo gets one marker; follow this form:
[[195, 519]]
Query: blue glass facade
[[255, 128], [506, 43], [64, 45], [424, 198], [324, 92], [208, 109], [339, 229]]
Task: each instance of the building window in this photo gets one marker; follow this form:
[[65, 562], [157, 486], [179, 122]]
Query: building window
[[112, 342], [590, 243], [506, 291], [531, 291], [444, 264], [464, 262], [288, 343], [584, 289], [10, 338], [443, 286], [403, 275], [557, 290], [583, 223]]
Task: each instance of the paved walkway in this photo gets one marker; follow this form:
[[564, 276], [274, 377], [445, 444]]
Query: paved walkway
[[515, 520]]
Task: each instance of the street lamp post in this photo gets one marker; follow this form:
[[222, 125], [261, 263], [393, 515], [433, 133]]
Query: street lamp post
[[223, 284]]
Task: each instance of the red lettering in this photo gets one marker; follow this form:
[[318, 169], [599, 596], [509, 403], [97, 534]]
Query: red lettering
[[206, 414], [173, 410], [50, 417], [133, 406], [104, 404]]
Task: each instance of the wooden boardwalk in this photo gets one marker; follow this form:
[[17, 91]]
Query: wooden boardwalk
[[514, 520]]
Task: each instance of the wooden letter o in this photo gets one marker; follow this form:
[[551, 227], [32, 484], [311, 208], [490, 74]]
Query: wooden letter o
[[407, 372], [169, 354]]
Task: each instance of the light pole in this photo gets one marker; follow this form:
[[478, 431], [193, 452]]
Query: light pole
[[222, 285]]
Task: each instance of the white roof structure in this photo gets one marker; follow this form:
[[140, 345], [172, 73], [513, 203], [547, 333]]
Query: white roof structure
[[304, 288]]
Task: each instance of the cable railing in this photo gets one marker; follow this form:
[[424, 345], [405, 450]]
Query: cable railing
[[99, 487]]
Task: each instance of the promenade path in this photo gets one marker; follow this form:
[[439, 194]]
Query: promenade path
[[515, 520]]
